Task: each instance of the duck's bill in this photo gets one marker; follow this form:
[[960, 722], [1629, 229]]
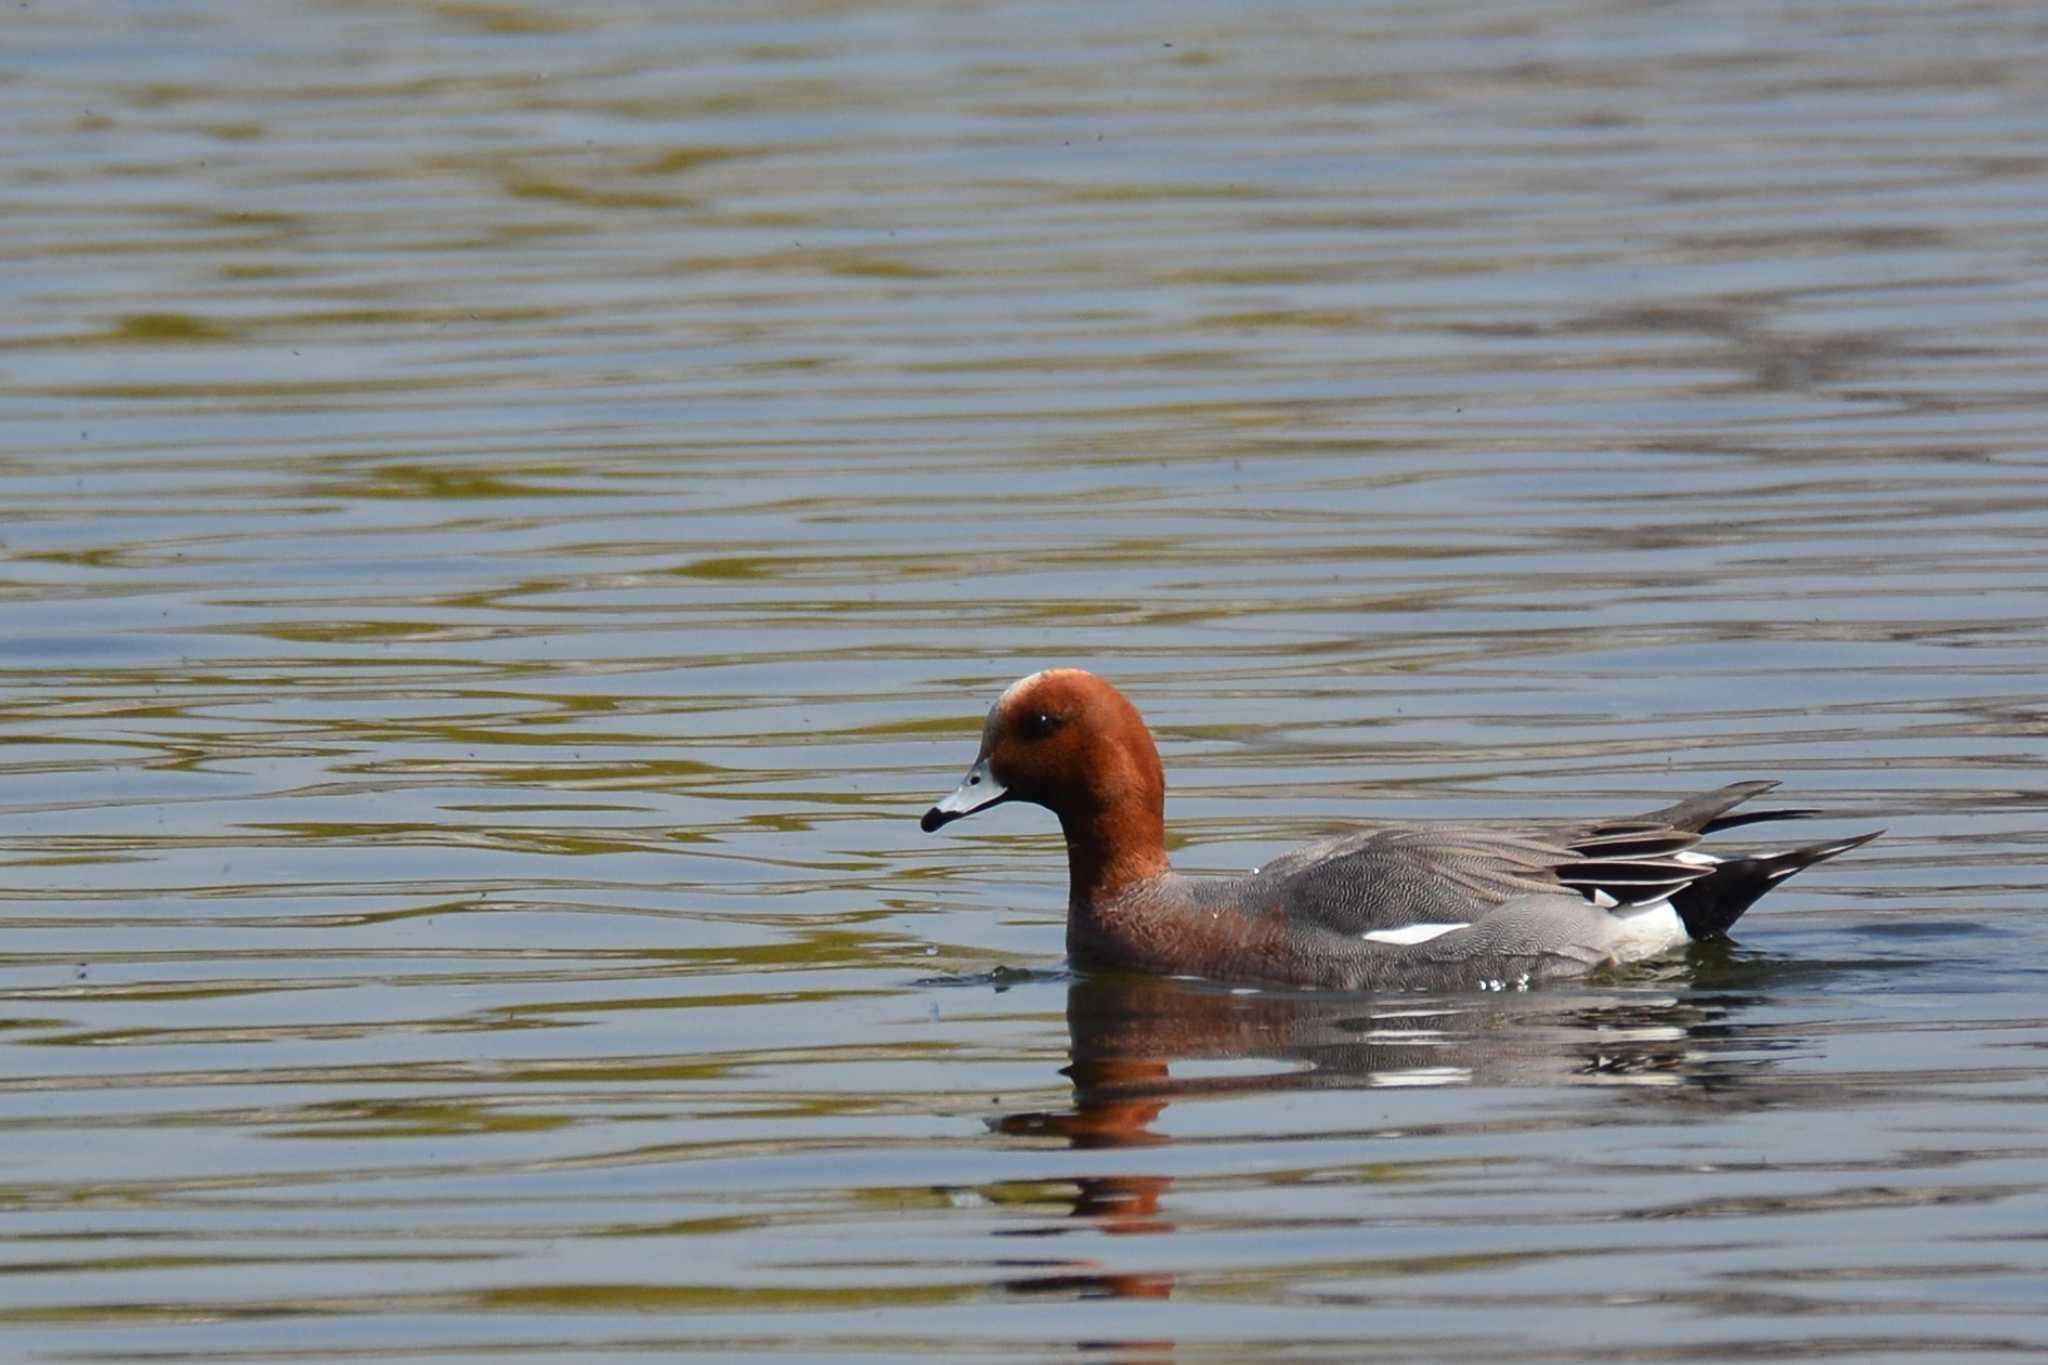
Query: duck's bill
[[977, 791]]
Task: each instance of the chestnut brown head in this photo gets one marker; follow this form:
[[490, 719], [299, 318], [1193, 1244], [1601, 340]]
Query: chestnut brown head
[[1063, 739]]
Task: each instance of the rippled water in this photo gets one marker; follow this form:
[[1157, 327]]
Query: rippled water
[[512, 510]]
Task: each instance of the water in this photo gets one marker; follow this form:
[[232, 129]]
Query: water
[[511, 512]]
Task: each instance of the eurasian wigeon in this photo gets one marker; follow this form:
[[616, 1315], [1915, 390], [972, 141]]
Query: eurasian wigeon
[[1389, 907]]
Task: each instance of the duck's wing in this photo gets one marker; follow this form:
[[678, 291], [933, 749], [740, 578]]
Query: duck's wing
[[1411, 880]]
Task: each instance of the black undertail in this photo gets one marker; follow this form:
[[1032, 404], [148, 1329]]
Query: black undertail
[[1649, 858], [1714, 902]]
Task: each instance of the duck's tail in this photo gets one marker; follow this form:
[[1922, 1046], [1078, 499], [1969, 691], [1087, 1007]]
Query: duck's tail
[[1714, 902], [1707, 813]]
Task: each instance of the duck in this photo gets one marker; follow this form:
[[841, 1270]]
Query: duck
[[1388, 906]]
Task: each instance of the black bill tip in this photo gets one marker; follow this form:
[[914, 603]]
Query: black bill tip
[[935, 817]]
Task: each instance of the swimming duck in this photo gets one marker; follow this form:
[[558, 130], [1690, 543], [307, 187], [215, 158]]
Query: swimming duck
[[1389, 907]]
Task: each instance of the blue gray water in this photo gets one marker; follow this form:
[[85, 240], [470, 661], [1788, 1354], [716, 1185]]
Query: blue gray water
[[508, 513]]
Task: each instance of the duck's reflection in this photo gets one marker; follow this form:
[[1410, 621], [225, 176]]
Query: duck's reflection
[[1129, 1034]]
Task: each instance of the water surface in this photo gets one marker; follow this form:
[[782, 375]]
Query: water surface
[[512, 510]]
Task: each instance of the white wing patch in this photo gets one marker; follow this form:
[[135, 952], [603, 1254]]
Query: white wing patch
[[1410, 934]]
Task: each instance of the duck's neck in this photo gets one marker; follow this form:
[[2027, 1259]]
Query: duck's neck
[[1112, 847]]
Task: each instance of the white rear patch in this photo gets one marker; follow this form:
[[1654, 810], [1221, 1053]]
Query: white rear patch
[[1419, 1075], [1410, 934], [1646, 930], [1694, 858]]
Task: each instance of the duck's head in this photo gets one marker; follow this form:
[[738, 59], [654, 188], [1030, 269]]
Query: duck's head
[[1066, 740]]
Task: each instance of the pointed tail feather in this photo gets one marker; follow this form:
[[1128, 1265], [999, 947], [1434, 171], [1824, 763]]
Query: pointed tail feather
[[1714, 902], [1695, 813], [1707, 813], [1757, 817]]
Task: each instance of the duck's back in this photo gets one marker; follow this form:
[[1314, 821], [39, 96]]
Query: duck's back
[[1388, 879]]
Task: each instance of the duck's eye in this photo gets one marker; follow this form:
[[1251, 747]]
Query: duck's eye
[[1039, 724]]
